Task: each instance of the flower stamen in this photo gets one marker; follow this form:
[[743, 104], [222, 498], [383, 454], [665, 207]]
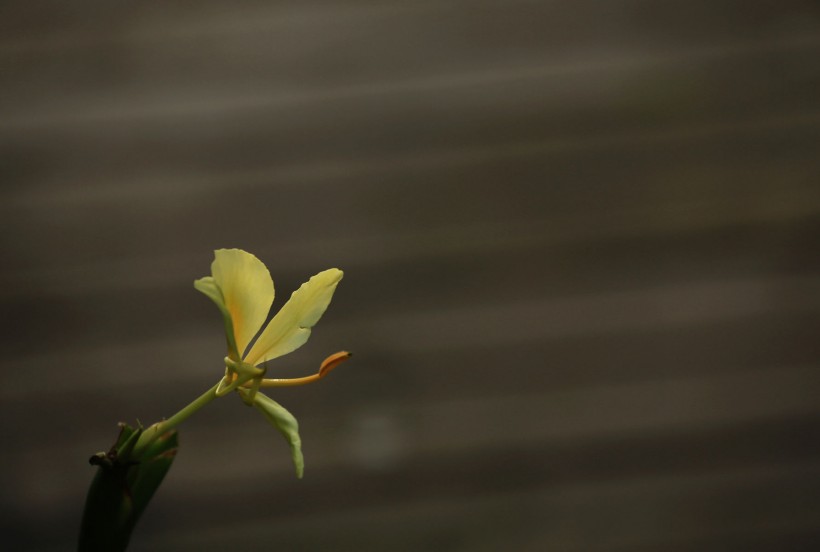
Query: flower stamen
[[327, 365]]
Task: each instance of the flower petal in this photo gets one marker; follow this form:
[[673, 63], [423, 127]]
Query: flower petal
[[287, 425], [247, 291], [208, 286], [290, 328]]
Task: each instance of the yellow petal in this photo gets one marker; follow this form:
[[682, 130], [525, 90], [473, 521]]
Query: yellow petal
[[247, 291], [290, 328], [208, 286]]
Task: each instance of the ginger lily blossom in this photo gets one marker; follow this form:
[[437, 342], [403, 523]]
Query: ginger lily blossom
[[241, 287]]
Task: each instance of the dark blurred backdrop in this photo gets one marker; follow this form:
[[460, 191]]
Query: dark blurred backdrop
[[580, 242]]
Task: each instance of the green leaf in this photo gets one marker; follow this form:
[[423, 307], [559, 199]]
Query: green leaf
[[287, 425], [122, 488]]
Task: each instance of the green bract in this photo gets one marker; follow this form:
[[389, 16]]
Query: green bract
[[122, 488]]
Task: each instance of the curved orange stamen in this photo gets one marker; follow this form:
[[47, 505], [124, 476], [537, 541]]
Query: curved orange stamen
[[327, 365]]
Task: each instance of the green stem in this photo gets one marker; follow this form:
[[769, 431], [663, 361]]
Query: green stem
[[164, 426]]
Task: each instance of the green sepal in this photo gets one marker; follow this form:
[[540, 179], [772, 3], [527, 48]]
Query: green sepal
[[122, 488], [287, 425]]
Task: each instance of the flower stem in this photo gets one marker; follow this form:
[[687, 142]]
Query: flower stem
[[164, 426], [186, 412]]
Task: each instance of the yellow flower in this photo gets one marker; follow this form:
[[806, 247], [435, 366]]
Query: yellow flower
[[242, 288]]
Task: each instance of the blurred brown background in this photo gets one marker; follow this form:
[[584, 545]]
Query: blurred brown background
[[580, 242]]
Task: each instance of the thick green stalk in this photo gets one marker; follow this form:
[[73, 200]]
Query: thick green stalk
[[164, 426]]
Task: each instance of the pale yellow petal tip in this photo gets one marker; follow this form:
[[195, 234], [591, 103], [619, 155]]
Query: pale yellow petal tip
[[234, 255], [204, 281], [333, 275]]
